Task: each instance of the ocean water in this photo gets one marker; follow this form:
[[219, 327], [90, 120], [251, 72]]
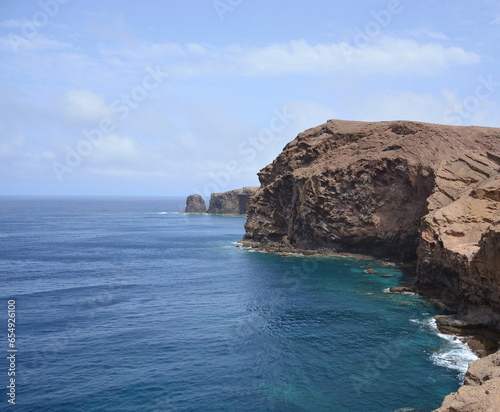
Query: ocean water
[[126, 305]]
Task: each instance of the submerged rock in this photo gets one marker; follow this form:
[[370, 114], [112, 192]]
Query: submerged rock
[[195, 204]]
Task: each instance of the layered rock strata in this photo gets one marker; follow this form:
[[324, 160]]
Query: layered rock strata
[[233, 202]]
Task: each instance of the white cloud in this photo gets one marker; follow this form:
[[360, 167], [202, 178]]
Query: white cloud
[[428, 33], [447, 107], [117, 149], [308, 114], [18, 44], [385, 55], [83, 106]]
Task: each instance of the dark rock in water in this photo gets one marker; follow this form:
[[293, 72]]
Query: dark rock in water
[[233, 202], [403, 290], [195, 204]]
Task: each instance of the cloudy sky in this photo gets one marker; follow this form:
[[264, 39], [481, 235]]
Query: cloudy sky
[[172, 97]]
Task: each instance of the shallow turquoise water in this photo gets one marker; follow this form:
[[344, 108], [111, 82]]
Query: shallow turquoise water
[[123, 305]]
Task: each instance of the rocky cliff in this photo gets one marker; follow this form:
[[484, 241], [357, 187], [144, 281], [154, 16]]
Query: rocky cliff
[[233, 202], [481, 390], [459, 252], [403, 190], [195, 204]]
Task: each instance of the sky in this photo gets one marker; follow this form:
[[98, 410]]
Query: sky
[[170, 98]]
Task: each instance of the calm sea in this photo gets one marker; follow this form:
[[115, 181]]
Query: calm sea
[[126, 305]]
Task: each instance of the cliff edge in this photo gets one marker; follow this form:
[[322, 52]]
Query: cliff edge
[[233, 202], [403, 190]]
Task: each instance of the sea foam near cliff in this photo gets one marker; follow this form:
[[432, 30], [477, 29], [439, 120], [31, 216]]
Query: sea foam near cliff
[[454, 354]]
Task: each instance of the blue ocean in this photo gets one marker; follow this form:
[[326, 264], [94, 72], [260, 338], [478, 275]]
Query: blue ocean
[[127, 305]]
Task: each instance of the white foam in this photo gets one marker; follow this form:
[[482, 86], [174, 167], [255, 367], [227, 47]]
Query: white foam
[[454, 354]]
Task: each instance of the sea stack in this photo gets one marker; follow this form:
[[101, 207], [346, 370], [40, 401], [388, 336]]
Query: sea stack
[[195, 204], [233, 202], [404, 190]]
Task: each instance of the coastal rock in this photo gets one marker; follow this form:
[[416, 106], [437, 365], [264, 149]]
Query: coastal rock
[[481, 390], [459, 252], [358, 187], [195, 204], [233, 202], [402, 190]]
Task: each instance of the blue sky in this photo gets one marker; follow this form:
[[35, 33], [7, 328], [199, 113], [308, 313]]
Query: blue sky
[[161, 98]]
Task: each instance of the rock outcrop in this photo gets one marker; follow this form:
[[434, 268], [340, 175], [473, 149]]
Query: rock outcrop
[[481, 390], [401, 190], [405, 190], [233, 202], [459, 252], [195, 204]]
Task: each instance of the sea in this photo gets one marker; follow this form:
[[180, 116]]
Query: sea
[[125, 304]]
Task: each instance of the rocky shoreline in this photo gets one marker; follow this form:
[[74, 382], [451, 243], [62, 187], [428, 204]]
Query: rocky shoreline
[[406, 191], [475, 395]]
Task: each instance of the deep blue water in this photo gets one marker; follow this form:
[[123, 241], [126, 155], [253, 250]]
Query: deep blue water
[[123, 307]]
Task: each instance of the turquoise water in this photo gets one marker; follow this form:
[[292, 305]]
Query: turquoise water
[[125, 305]]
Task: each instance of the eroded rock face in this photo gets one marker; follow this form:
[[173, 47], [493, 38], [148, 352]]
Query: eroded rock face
[[233, 202], [459, 252], [195, 204], [359, 187], [481, 392]]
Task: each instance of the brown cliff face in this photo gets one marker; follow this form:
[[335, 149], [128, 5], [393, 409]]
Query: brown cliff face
[[357, 187], [459, 252], [403, 190]]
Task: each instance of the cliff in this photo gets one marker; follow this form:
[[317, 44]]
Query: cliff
[[481, 390], [195, 204], [459, 252], [403, 190], [233, 202]]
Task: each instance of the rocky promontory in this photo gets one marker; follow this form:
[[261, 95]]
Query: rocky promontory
[[195, 204], [233, 202], [404, 190]]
